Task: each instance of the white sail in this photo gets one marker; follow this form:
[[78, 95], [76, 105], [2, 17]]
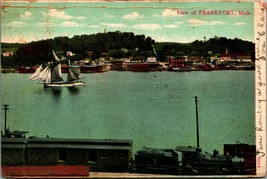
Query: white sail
[[55, 56], [59, 70], [73, 74], [43, 75], [35, 75], [52, 75], [48, 77], [56, 74]]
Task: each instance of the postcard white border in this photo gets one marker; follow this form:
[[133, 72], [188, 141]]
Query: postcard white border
[[260, 85], [260, 70]]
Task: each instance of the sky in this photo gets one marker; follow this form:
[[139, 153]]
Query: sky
[[32, 21]]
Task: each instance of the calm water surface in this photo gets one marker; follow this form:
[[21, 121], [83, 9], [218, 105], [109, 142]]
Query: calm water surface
[[155, 109]]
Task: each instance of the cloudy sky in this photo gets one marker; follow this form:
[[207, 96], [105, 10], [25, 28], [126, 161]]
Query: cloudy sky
[[32, 21]]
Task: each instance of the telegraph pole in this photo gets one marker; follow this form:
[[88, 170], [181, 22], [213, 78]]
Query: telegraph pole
[[5, 108], [197, 122]]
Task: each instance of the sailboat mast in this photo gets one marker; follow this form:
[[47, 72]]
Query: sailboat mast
[[51, 76], [197, 121]]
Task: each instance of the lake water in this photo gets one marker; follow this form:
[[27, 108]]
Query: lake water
[[155, 109]]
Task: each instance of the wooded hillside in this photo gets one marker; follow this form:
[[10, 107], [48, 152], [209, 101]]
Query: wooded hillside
[[118, 45]]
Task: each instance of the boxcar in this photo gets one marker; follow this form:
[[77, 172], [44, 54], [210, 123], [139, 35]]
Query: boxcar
[[110, 155], [13, 151], [98, 154]]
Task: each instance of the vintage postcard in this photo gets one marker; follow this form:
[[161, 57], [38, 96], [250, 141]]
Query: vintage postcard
[[138, 89]]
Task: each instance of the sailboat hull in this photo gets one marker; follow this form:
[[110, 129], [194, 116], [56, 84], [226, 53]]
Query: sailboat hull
[[78, 83]]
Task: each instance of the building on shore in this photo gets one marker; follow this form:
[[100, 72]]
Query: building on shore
[[7, 54]]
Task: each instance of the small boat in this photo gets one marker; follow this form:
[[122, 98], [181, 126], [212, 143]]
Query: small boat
[[51, 75], [181, 69]]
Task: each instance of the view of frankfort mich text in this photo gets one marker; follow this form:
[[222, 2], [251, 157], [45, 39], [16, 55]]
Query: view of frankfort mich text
[[151, 87]]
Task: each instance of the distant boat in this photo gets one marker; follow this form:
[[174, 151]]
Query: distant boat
[[24, 69], [51, 75], [181, 69]]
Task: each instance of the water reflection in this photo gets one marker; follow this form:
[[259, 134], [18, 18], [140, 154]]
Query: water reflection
[[73, 90], [56, 92]]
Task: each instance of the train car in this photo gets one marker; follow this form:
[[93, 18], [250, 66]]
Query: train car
[[116, 155], [157, 160], [13, 151], [51, 151], [98, 154]]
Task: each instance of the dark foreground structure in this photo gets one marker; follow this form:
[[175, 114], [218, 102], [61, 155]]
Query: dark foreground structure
[[157, 161], [102, 155], [116, 156]]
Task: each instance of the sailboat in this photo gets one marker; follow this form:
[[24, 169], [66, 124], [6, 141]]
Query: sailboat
[[51, 75]]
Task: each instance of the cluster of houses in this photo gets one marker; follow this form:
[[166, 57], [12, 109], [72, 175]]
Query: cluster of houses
[[226, 61]]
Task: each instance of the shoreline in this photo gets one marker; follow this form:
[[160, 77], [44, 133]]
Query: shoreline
[[245, 68]]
